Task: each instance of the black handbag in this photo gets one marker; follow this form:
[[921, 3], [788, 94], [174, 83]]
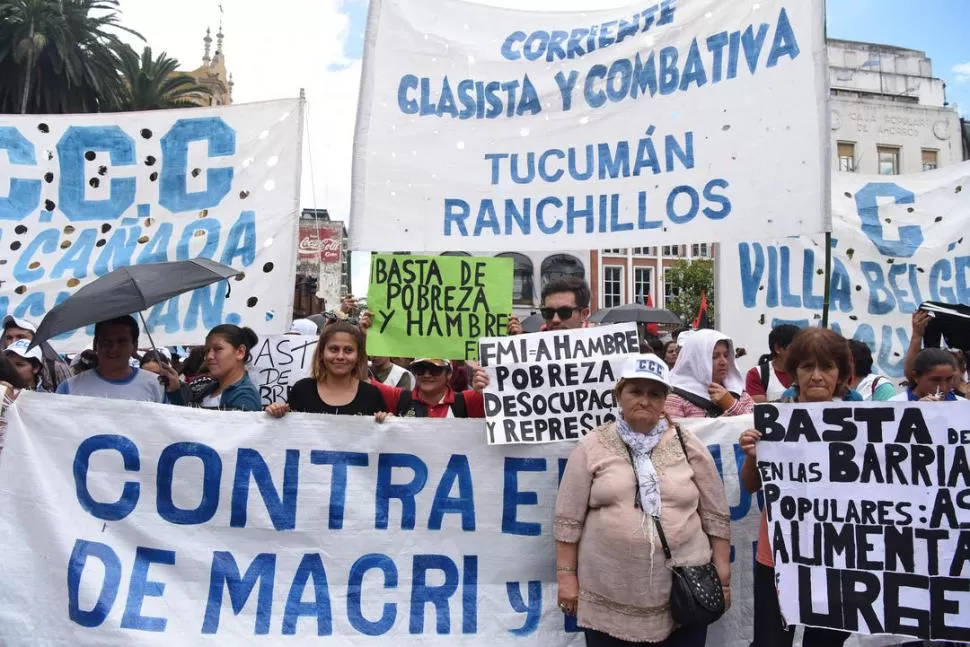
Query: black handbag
[[696, 596]]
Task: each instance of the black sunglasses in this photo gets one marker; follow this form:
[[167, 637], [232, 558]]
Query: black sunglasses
[[421, 369], [565, 312]]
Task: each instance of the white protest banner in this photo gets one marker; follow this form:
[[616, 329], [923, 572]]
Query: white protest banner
[[388, 510], [553, 386], [279, 361], [868, 515], [487, 129], [82, 195], [895, 242]]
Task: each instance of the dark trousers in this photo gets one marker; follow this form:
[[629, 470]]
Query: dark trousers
[[683, 637], [769, 629]]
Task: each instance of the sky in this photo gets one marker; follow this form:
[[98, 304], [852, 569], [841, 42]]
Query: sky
[[274, 49]]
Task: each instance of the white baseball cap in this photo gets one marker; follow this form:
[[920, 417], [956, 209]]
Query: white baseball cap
[[22, 348], [646, 367], [19, 322]]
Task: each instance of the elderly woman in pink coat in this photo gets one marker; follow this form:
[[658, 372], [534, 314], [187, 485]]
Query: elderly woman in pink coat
[[626, 483]]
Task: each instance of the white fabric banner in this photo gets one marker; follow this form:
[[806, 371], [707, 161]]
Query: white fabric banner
[[896, 241], [82, 195], [488, 129], [279, 362], [553, 386], [868, 515], [391, 533]]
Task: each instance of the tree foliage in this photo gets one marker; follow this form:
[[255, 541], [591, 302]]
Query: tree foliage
[[687, 280], [154, 83]]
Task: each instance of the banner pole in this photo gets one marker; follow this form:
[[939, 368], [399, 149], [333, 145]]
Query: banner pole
[[828, 279]]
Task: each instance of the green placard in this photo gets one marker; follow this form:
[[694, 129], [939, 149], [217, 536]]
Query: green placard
[[437, 306]]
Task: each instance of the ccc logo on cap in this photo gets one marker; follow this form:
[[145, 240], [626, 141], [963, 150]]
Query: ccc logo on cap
[[649, 366]]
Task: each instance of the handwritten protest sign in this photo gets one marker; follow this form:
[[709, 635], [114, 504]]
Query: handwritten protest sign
[[82, 195], [868, 515], [279, 362], [487, 129], [306, 543], [895, 243], [437, 306], [553, 386]]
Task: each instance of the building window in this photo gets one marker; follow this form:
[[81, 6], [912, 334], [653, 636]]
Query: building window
[[642, 284], [847, 157], [671, 250], [699, 250], [669, 292], [523, 289], [644, 251], [616, 251], [888, 160], [612, 286], [930, 160], [560, 265]]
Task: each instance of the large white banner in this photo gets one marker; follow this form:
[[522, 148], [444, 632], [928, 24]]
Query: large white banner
[[896, 241], [489, 129], [82, 195], [868, 515], [134, 524]]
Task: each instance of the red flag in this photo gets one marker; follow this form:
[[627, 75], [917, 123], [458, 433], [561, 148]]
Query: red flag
[[653, 328], [702, 321]]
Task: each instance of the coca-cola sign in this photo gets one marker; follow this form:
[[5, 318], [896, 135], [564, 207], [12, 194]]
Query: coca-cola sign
[[330, 244], [323, 240]]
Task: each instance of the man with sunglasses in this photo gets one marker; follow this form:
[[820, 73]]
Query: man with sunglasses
[[433, 396], [565, 306]]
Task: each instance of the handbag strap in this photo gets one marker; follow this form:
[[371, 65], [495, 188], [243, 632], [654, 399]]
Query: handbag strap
[[663, 538]]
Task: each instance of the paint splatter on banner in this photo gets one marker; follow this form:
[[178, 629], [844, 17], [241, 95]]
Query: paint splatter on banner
[[895, 243]]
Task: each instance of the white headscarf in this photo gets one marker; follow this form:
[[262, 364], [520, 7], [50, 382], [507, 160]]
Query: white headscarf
[[694, 370]]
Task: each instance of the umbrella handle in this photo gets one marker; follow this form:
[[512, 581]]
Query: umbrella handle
[[145, 325]]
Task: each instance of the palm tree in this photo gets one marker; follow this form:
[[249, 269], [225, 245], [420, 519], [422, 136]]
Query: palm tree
[[154, 84], [59, 56]]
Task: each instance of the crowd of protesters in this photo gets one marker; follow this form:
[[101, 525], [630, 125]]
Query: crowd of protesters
[[605, 549]]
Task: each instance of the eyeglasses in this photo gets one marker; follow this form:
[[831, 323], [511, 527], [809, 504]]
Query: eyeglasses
[[429, 369], [565, 312]]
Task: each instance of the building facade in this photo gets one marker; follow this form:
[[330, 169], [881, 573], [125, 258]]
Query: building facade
[[636, 274], [212, 74], [889, 116]]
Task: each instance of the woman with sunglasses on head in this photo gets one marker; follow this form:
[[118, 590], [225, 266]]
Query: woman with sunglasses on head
[[340, 378], [433, 396]]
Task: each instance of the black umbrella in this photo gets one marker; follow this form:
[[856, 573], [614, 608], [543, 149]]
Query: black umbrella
[[128, 290], [635, 312], [532, 323]]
